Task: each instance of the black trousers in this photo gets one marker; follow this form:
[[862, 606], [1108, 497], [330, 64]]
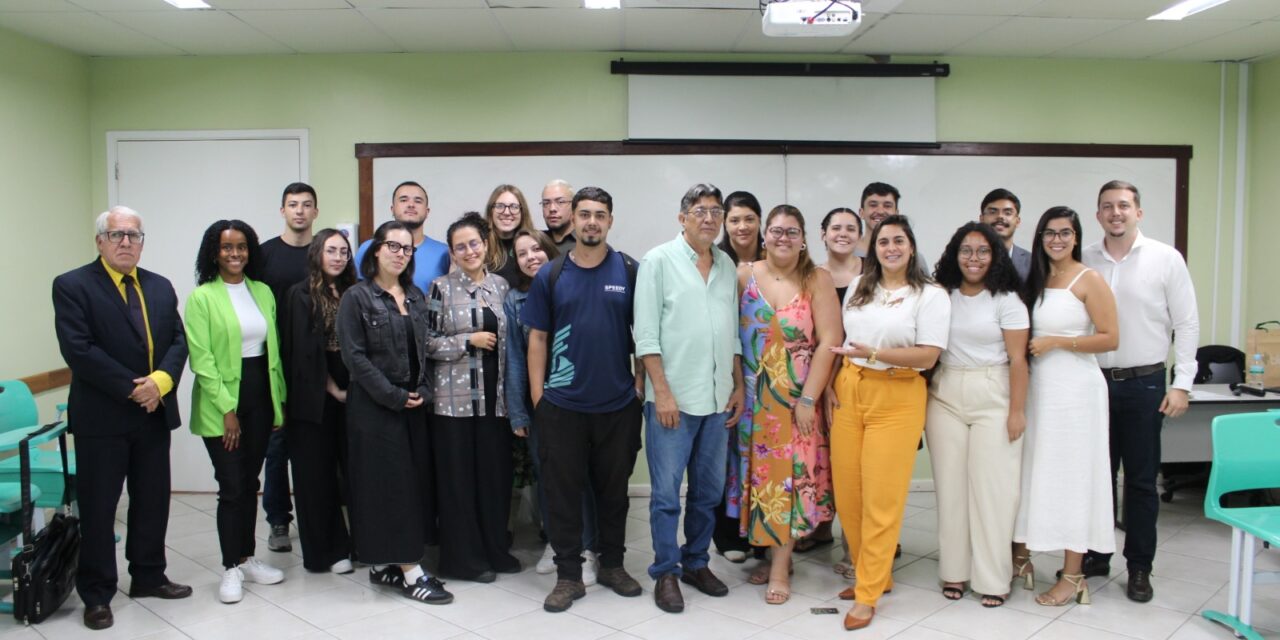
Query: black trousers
[[474, 475], [318, 458], [103, 467], [237, 470], [578, 449], [1135, 443]]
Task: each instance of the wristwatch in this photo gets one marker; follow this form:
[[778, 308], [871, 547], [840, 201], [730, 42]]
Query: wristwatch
[[871, 359], [805, 401]]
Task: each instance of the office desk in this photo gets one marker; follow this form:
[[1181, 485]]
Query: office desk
[[1188, 438]]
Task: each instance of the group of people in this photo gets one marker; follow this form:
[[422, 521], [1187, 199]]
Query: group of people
[[411, 377]]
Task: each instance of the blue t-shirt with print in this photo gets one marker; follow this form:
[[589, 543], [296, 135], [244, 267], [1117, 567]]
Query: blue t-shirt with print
[[590, 345]]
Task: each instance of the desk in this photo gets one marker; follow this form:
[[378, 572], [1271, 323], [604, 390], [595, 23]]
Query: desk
[[1188, 438]]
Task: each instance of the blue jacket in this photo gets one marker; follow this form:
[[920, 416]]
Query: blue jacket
[[519, 406]]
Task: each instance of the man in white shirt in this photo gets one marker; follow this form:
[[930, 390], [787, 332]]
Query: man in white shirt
[[1159, 309]]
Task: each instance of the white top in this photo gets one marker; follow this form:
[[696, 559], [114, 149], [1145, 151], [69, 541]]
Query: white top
[[902, 317], [253, 325], [1156, 305], [978, 324]]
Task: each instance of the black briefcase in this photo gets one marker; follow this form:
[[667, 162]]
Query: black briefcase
[[44, 571]]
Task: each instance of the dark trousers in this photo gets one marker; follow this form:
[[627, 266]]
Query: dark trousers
[[275, 481], [103, 467], [1135, 443], [580, 450], [474, 475], [318, 455], [237, 470]]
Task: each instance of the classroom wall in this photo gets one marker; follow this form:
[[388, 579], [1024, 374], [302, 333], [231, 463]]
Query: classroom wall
[[1263, 237], [44, 196]]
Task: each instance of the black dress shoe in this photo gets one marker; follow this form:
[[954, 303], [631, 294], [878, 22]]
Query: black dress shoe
[[165, 591], [703, 580], [98, 617], [1139, 589], [1091, 567]]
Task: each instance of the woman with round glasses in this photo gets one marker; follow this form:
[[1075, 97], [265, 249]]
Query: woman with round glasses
[[315, 416], [976, 414], [506, 212], [382, 331], [470, 429], [1066, 459], [790, 321], [238, 396]]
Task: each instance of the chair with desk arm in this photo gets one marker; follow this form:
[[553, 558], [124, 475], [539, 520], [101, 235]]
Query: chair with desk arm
[[1215, 364]]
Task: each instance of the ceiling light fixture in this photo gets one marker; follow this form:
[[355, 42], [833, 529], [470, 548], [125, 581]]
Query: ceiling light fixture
[[602, 4], [189, 4], [1186, 8]]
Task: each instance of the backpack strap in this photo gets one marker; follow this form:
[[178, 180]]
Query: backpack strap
[[557, 266]]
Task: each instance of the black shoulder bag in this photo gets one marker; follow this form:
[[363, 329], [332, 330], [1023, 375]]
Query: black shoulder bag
[[44, 571]]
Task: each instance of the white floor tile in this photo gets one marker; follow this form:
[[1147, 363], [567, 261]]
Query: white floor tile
[[1170, 593], [260, 622], [540, 625], [746, 603], [397, 624], [339, 605], [481, 606], [694, 623], [1125, 617], [605, 607], [1063, 630], [969, 619], [202, 606], [131, 621]]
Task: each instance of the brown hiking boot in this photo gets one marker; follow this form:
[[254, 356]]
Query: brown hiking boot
[[619, 580], [563, 595]]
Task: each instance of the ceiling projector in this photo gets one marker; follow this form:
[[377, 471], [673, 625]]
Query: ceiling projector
[[811, 18]]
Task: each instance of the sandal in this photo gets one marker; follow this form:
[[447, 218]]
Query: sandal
[[992, 601], [775, 595], [1079, 592], [952, 592], [1023, 569]]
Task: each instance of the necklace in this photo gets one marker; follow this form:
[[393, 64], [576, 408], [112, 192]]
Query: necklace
[[776, 278]]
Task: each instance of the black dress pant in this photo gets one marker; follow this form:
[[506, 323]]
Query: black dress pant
[[474, 475], [237, 470], [578, 449], [318, 458], [103, 467]]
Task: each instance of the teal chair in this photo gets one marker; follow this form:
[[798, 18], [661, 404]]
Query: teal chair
[[18, 411], [1246, 456]]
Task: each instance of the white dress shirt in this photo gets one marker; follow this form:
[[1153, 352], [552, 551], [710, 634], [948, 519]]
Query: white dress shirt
[[1155, 300]]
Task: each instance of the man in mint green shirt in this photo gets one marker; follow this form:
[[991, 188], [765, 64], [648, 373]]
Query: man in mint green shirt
[[686, 332]]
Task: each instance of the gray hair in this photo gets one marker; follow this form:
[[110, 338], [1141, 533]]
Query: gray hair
[[559, 183], [698, 192], [100, 225]]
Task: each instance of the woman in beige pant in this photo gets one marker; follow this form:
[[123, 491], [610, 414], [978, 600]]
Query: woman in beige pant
[[975, 416]]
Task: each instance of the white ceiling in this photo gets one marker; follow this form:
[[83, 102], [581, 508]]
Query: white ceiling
[[1238, 30]]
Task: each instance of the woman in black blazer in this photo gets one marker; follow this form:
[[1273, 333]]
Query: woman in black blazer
[[315, 416]]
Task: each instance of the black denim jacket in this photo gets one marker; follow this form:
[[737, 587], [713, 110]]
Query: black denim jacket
[[374, 344]]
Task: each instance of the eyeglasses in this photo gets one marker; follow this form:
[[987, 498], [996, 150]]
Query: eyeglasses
[[792, 233], [500, 207], [1064, 234], [558, 201], [703, 212], [474, 245], [340, 252], [396, 247], [982, 252], [135, 237]]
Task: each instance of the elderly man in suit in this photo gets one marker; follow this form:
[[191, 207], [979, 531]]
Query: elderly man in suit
[[119, 332]]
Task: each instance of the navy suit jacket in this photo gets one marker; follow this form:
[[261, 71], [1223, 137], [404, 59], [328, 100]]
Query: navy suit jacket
[[1021, 262], [105, 352]]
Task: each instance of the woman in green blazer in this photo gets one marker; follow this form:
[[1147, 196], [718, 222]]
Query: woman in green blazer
[[238, 397]]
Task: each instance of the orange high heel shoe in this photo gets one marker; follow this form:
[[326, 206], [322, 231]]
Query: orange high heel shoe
[[853, 624]]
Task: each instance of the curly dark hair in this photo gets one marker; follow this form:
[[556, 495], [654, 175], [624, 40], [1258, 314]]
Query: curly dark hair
[[369, 262], [210, 245], [1033, 291], [471, 219], [1001, 275]]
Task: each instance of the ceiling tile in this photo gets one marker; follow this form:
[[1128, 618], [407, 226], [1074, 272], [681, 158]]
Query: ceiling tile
[[103, 6], [1259, 40], [440, 29], [85, 33], [1123, 9], [277, 5], [418, 4], [536, 4], [967, 8], [561, 29], [1146, 38], [913, 34], [686, 30], [753, 5], [1242, 10], [753, 40], [200, 32], [322, 31], [1034, 37], [37, 5]]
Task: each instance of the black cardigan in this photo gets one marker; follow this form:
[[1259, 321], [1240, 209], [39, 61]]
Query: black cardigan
[[302, 352]]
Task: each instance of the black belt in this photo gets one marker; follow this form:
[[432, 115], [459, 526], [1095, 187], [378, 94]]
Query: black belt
[[1118, 374]]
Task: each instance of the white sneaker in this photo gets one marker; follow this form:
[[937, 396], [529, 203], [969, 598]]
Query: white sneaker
[[255, 570], [232, 590], [547, 563], [342, 566], [590, 565]]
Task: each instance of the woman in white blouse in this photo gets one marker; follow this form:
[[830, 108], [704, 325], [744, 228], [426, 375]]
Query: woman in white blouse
[[976, 415], [895, 322]]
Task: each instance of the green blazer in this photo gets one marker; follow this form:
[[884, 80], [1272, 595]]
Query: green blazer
[[213, 338]]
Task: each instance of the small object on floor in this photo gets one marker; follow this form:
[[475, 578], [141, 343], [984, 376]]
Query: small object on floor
[[342, 566], [547, 563], [897, 552], [736, 556], [278, 540], [666, 594], [952, 592], [805, 545], [853, 624], [390, 576], [563, 595], [428, 590], [259, 572], [590, 567], [165, 591], [231, 590], [1139, 587], [620, 581], [703, 580], [98, 617], [991, 601]]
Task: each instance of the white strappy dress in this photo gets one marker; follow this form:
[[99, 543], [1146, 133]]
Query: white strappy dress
[[1066, 459]]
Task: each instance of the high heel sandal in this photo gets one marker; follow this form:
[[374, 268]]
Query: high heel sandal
[[1025, 571], [1081, 593]]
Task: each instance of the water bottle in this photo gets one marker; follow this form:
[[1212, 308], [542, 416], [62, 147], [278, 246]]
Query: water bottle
[[1256, 372]]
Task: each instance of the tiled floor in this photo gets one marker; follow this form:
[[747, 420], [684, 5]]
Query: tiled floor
[[1189, 576]]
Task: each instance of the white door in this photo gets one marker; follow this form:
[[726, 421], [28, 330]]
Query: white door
[[181, 182]]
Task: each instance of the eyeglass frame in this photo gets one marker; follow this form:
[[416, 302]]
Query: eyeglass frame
[[1063, 234], [116, 236], [395, 247], [702, 212]]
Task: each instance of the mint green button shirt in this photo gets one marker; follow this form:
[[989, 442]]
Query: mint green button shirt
[[691, 323]]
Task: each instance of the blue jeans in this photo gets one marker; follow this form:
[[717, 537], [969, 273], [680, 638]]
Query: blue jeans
[[695, 444], [275, 481], [588, 498]]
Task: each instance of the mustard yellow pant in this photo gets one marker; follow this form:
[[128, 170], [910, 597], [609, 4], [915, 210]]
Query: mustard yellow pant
[[874, 435]]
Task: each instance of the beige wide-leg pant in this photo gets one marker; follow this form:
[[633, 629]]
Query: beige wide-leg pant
[[976, 474]]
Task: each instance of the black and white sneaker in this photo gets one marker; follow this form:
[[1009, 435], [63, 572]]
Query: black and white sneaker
[[429, 590], [392, 576]]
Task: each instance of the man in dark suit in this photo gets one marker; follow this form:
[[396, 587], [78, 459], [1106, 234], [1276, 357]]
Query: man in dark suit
[[1002, 210], [119, 332]]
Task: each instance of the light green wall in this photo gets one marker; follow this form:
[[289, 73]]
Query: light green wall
[[44, 195], [1262, 294]]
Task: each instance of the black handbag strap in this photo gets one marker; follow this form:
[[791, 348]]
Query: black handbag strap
[[24, 478]]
